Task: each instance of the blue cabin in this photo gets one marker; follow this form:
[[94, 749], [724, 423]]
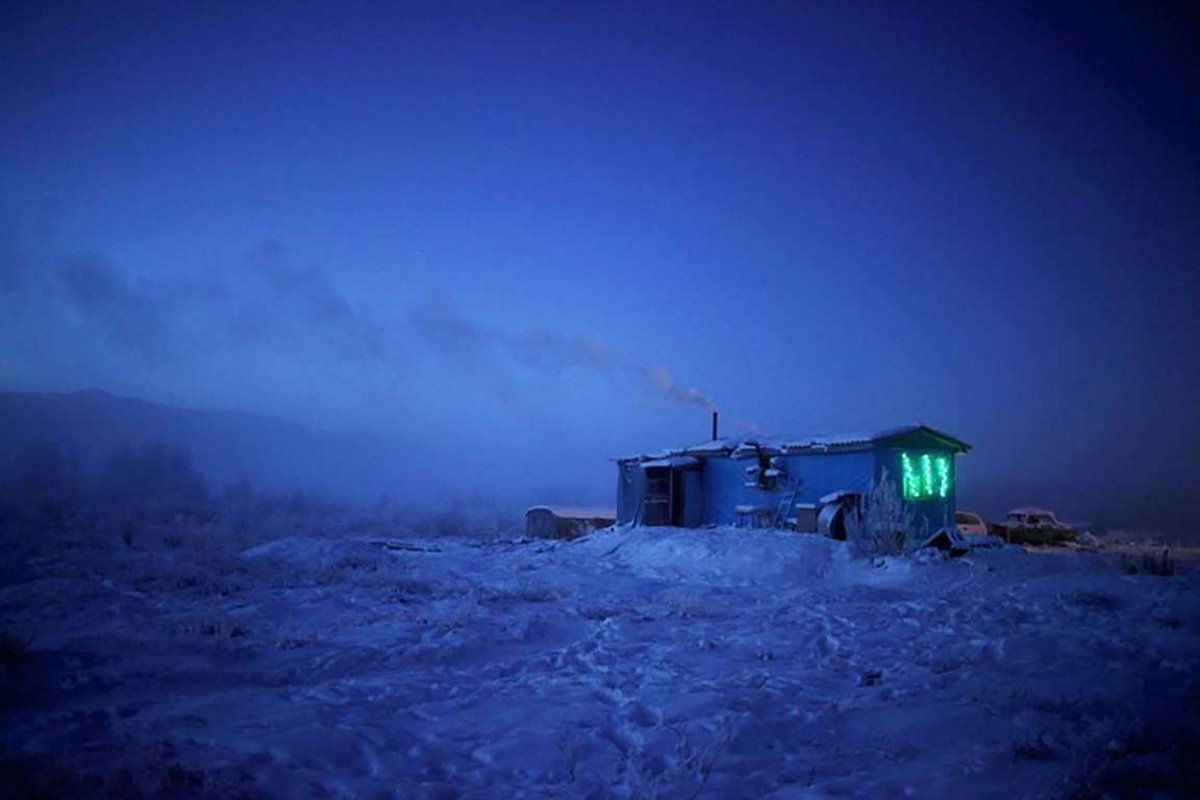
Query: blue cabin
[[802, 482]]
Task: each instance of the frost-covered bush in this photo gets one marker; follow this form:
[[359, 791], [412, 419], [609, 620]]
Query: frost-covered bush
[[882, 524], [1158, 562], [687, 771]]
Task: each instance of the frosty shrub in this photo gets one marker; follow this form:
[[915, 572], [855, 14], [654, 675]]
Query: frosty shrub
[[882, 524], [687, 774], [1150, 562], [1158, 562]]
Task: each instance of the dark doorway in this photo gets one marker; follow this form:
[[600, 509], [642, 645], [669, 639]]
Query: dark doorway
[[656, 504], [677, 498], [663, 501]]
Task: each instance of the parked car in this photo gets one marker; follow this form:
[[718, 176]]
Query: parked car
[[998, 530], [970, 524], [1036, 526]]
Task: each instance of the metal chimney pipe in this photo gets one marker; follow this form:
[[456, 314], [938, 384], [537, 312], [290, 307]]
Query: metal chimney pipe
[[714, 436]]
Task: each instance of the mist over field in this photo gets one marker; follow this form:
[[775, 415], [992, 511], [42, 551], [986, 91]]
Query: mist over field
[[81, 432]]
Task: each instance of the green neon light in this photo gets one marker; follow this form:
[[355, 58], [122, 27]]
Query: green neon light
[[925, 476]]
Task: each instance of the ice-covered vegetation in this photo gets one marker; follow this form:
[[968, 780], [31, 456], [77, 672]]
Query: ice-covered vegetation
[[882, 525], [284, 647]]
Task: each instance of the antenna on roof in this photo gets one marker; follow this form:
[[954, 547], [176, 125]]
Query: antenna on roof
[[714, 413]]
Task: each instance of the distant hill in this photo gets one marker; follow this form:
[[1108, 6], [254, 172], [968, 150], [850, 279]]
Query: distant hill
[[274, 454]]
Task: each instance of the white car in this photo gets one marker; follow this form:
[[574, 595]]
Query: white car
[[970, 524], [1036, 526]]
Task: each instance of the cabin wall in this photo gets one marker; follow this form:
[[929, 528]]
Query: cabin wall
[[631, 486], [824, 473], [693, 498], [931, 513], [723, 481]]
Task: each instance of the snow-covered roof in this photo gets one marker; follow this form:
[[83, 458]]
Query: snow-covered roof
[[577, 512], [713, 446], [672, 461], [1030, 510], [792, 444]]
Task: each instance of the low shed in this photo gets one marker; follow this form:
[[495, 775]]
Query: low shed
[[798, 482], [566, 522]]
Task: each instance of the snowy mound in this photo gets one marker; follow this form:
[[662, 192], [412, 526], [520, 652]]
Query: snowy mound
[[721, 556]]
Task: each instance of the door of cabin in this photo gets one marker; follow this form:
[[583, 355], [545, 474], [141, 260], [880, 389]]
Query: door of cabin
[[663, 501]]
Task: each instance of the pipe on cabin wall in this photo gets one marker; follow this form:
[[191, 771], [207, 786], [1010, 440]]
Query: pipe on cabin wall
[[714, 421]]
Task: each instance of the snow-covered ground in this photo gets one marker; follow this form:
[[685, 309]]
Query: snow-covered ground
[[635, 663]]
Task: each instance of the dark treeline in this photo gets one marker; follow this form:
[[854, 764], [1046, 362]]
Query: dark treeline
[[47, 488], [151, 477], [152, 472]]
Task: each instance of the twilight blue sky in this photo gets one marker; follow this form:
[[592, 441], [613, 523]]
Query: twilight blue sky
[[499, 224]]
